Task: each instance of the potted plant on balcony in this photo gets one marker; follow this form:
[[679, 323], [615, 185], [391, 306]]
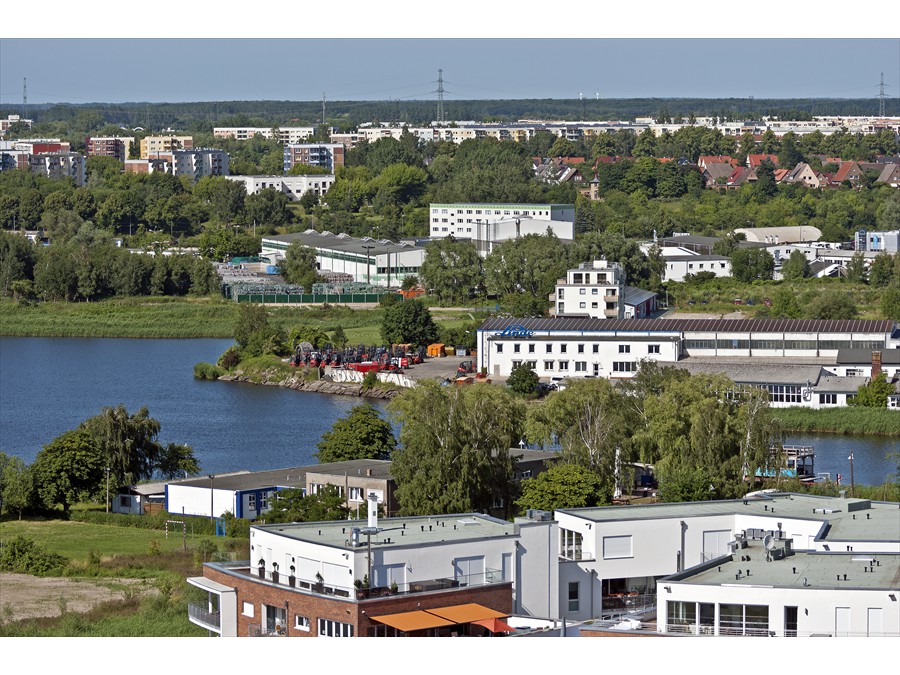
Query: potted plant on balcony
[[319, 586], [275, 572], [362, 587], [262, 568], [393, 588], [292, 580]]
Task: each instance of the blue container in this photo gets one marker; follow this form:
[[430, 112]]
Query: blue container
[[271, 269]]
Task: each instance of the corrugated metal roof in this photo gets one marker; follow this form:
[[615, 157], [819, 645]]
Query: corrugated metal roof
[[695, 325]]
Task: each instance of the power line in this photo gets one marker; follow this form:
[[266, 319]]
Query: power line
[[440, 93], [881, 96]]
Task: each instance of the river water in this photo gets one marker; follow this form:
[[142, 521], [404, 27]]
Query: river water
[[50, 385]]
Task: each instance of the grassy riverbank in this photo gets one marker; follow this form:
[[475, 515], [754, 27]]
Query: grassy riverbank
[[876, 421], [165, 317]]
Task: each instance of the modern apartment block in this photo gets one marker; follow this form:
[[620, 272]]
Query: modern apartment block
[[490, 224], [324, 155], [293, 186], [197, 163], [281, 134], [151, 146], [59, 165], [595, 289], [109, 146]]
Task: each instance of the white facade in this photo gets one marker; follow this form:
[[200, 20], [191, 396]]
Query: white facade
[[490, 224], [281, 134], [594, 289], [469, 549], [60, 165], [882, 242], [613, 554], [199, 163], [293, 186], [678, 267]]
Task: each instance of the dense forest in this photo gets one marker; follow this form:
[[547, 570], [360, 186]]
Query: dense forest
[[347, 115]]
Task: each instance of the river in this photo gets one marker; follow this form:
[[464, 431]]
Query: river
[[50, 385]]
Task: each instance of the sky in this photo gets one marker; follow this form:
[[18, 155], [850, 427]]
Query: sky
[[209, 51]]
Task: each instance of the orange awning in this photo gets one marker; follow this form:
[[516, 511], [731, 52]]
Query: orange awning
[[495, 625], [467, 613], [411, 621]]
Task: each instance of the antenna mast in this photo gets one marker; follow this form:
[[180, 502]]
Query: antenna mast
[[440, 93], [25, 97], [323, 112]]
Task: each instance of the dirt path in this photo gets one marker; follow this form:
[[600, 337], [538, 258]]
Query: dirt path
[[23, 596]]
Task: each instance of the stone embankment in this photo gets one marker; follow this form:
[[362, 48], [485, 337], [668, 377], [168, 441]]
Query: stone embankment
[[322, 386]]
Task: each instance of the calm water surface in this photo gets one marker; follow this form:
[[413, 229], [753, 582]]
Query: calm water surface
[[50, 385]]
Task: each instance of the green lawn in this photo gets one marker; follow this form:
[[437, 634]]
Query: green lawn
[[76, 540]]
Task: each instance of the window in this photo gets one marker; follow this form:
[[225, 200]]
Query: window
[[247, 609], [301, 622], [562, 347], [581, 349], [563, 365], [595, 291], [582, 305], [549, 347], [624, 349], [531, 348], [624, 366], [581, 366], [548, 365], [251, 501], [653, 349], [334, 629], [357, 494], [573, 596], [570, 544], [531, 364], [596, 349], [499, 347], [619, 546], [125, 502], [516, 364], [516, 348], [743, 619], [582, 291]]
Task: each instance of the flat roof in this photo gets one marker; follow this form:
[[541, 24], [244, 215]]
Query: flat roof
[[815, 571], [756, 373], [883, 524], [397, 532], [292, 476], [342, 242], [696, 325]]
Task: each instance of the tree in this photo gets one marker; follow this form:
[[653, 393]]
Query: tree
[[590, 421], [69, 469], [16, 484], [299, 266], [339, 337], [750, 264], [882, 270], [251, 318], [890, 303], [873, 394], [454, 448], [562, 486], [523, 380], [408, 322], [292, 506], [360, 435], [831, 304], [452, 269], [528, 265], [856, 269], [796, 266]]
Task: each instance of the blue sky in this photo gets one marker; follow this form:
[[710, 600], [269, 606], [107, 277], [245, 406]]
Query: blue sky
[[480, 59]]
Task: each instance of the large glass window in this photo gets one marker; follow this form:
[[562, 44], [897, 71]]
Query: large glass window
[[570, 544], [743, 619], [617, 547], [573, 596]]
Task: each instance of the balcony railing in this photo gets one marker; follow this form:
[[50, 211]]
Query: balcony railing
[[489, 576], [201, 614]]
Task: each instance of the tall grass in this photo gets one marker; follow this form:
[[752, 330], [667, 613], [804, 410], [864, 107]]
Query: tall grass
[[876, 421]]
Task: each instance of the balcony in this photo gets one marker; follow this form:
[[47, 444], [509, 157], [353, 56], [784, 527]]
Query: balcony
[[320, 587], [200, 615]]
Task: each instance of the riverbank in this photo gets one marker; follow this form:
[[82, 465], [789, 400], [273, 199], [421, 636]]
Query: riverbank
[[318, 386], [851, 420]]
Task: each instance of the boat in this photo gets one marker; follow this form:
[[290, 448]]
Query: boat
[[798, 462]]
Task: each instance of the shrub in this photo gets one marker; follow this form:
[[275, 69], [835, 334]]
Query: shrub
[[207, 371], [370, 379], [230, 358], [23, 555]]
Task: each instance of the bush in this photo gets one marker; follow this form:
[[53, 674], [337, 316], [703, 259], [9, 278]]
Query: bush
[[207, 371], [230, 358], [24, 556], [370, 379]]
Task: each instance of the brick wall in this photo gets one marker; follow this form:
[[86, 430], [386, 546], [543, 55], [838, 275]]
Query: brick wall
[[345, 610]]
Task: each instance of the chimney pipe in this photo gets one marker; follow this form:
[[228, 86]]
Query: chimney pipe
[[876, 364]]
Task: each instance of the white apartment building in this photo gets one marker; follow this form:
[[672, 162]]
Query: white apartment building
[[594, 289], [151, 146], [200, 162], [293, 186], [614, 558], [59, 165], [677, 267], [490, 224], [281, 134]]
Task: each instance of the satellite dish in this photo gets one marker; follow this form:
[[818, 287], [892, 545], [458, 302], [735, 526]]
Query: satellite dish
[[769, 542]]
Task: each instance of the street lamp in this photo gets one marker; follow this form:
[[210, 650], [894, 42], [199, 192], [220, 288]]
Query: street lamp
[[107, 489], [851, 474], [211, 494]]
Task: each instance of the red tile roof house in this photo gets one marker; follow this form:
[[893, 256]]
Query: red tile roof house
[[849, 171], [704, 160], [753, 161], [717, 174], [741, 176]]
